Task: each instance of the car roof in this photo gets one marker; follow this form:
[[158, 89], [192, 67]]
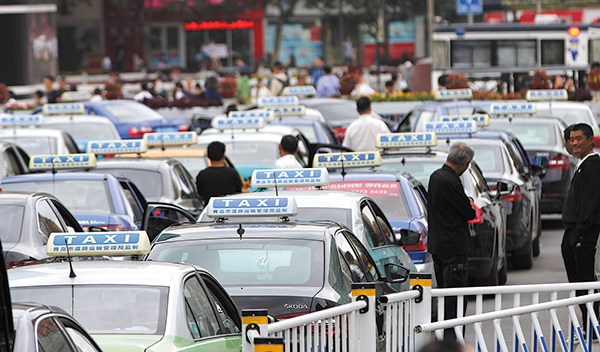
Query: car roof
[[37, 132], [299, 230], [167, 152], [535, 118], [561, 105], [11, 197], [57, 176], [98, 272], [246, 136], [76, 119], [110, 102], [313, 198], [325, 101], [133, 163], [364, 176]]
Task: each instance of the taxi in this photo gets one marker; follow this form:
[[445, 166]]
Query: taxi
[[96, 200], [542, 138], [289, 267], [164, 181], [28, 219], [137, 306], [17, 129], [502, 158]]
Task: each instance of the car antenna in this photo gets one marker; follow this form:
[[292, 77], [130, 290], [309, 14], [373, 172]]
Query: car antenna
[[240, 231], [448, 140], [343, 168], [403, 161], [72, 272], [276, 188]]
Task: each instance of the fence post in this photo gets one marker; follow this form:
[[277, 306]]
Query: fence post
[[268, 344], [253, 321], [366, 321], [422, 307]]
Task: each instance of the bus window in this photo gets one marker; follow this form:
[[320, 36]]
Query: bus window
[[553, 52], [440, 55], [594, 50], [516, 52], [471, 53]]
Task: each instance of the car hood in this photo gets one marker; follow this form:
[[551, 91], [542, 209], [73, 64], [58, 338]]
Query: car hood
[[125, 343]]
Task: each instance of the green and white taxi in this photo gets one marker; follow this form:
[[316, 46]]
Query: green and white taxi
[[132, 305]]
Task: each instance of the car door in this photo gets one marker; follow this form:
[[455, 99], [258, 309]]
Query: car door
[[79, 338], [65, 215]]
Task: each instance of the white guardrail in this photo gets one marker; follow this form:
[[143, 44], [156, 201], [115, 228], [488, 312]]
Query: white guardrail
[[527, 318]]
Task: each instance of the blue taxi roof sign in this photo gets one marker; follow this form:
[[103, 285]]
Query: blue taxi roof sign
[[547, 94], [63, 109], [242, 123], [290, 110], [406, 140], [454, 94], [117, 146], [278, 101], [299, 90], [62, 162], [512, 109], [20, 120], [266, 115], [75, 96], [90, 244], [451, 127], [289, 177], [482, 120], [227, 207], [170, 139], [347, 160]]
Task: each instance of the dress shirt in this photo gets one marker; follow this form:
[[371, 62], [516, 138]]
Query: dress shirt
[[361, 134]]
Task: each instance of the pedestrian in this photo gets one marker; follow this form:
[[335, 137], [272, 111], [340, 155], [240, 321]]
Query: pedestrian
[[211, 91], [348, 51], [259, 91], [106, 64], [361, 133], [38, 98], [288, 148], [329, 84], [567, 139], [179, 92], [218, 179], [449, 209], [316, 71], [361, 88], [279, 79], [581, 212], [143, 94], [98, 95], [52, 95], [242, 88]]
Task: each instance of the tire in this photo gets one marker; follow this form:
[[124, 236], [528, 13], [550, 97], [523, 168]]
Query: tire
[[524, 260], [536, 242], [503, 273]]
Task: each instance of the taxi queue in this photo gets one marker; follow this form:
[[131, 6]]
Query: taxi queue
[[292, 243]]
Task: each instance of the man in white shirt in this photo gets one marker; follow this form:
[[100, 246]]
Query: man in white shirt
[[143, 94], [287, 149], [360, 135]]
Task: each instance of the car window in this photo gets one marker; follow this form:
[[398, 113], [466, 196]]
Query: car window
[[569, 116], [226, 311], [364, 257], [340, 276], [80, 339], [371, 228], [50, 337], [135, 207], [48, 221], [11, 163], [520, 156], [149, 182], [132, 111], [338, 215], [489, 157], [12, 223], [34, 145], [187, 185], [86, 131], [201, 317], [348, 255], [421, 120], [70, 144], [421, 197], [385, 227], [531, 134]]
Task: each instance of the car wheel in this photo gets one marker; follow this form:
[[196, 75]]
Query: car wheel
[[503, 273], [536, 242], [524, 260]]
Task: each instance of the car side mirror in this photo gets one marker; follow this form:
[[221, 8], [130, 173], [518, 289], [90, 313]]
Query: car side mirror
[[409, 237], [538, 170], [504, 188], [395, 273]]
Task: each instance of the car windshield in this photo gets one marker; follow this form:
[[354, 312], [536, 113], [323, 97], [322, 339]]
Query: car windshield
[[387, 194], [531, 134], [336, 111], [132, 112], [12, 223], [418, 168], [77, 195], [86, 131], [250, 262], [308, 131], [149, 182], [193, 164], [118, 309], [254, 153], [489, 158], [569, 116], [34, 145]]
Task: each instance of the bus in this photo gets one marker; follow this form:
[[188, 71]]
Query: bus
[[511, 51]]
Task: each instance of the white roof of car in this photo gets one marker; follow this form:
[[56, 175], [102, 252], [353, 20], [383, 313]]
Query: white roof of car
[[238, 136], [52, 119], [33, 132], [313, 198], [103, 272]]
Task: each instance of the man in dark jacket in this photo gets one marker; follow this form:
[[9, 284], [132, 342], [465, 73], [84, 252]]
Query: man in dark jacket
[[581, 213], [449, 210], [218, 179]]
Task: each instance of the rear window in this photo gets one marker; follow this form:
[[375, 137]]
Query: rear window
[[149, 182], [489, 158], [87, 131], [193, 164], [333, 112], [251, 262], [387, 195], [419, 169], [77, 195], [529, 133], [340, 216], [132, 112], [12, 222], [570, 116], [34, 145]]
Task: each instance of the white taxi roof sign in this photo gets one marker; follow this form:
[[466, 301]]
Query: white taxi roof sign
[[299, 90], [75, 96], [100, 244], [451, 127], [289, 177], [266, 115], [406, 140], [482, 120], [278, 101], [63, 161], [117, 146], [170, 139], [512, 109], [291, 110], [227, 207], [242, 123], [454, 94], [347, 160], [20, 120], [547, 94], [63, 109]]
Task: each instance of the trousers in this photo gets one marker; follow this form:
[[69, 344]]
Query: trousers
[[451, 271]]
